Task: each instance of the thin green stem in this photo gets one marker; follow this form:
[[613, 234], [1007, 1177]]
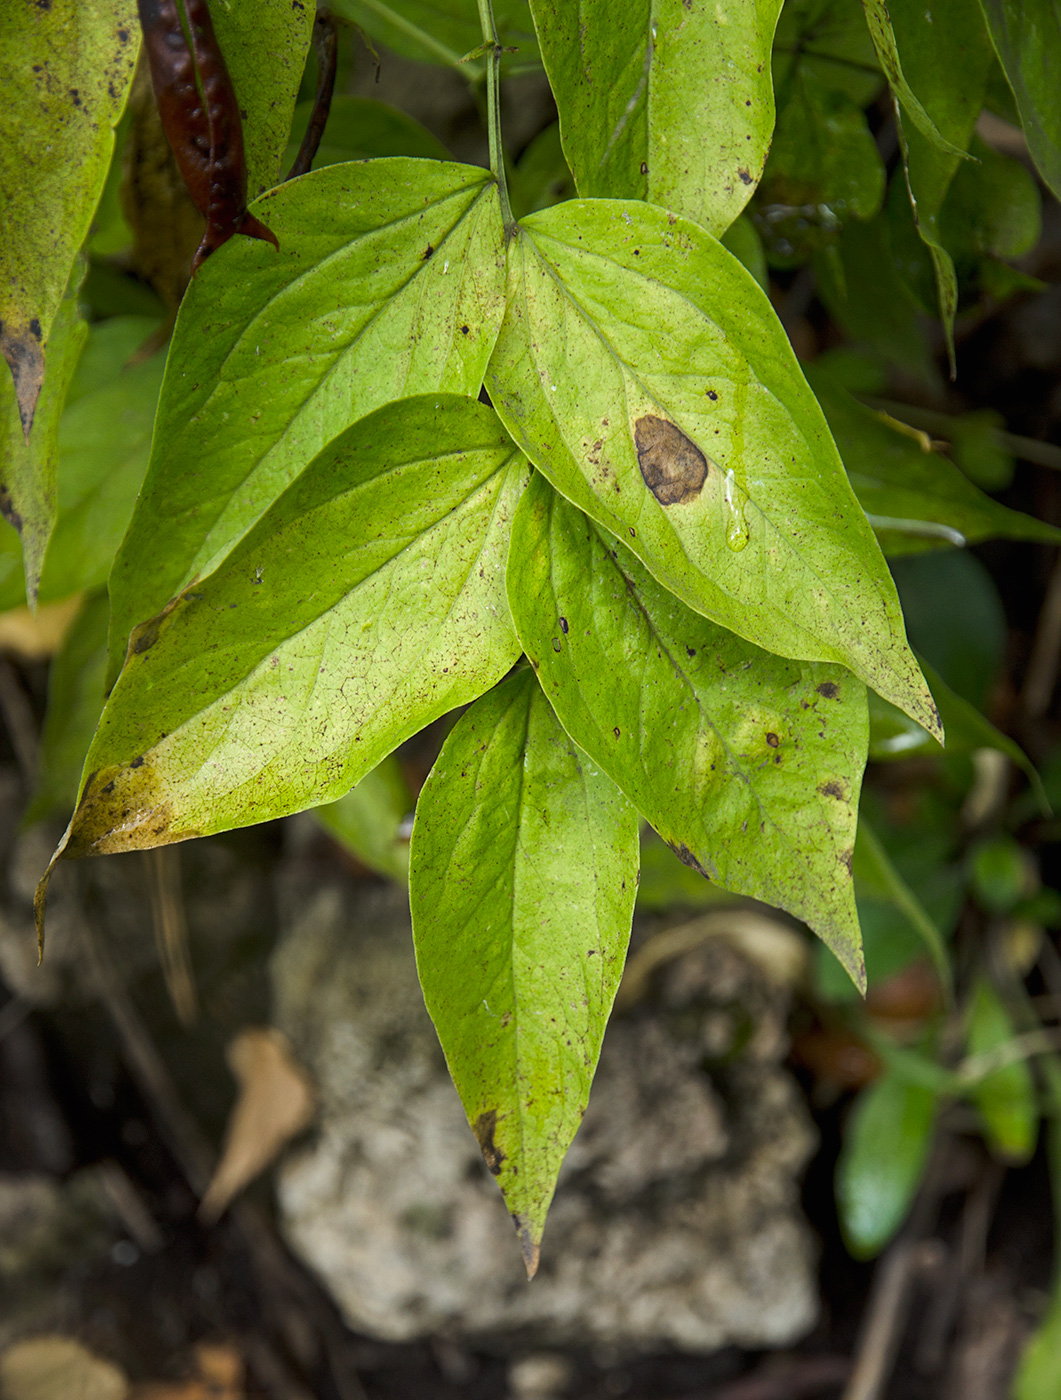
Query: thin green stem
[[493, 107]]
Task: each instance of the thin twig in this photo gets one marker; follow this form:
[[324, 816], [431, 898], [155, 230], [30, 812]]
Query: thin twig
[[171, 930], [326, 46], [1043, 454]]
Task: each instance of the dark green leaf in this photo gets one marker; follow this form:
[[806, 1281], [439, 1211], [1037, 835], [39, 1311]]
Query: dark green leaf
[[877, 878], [744, 243], [992, 208], [367, 602], [748, 766], [663, 100], [360, 128], [735, 497], [824, 169], [829, 40], [523, 875], [916, 500], [541, 177], [388, 281], [887, 1140], [1027, 37], [954, 618]]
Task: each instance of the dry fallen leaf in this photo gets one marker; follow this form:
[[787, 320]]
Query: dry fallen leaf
[[36, 636], [58, 1368], [219, 1376], [276, 1101]]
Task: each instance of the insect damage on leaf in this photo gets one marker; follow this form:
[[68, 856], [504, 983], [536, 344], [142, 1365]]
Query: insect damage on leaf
[[484, 1128], [674, 468], [25, 357]]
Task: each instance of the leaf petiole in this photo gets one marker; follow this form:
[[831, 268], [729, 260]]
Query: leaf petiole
[[494, 50]]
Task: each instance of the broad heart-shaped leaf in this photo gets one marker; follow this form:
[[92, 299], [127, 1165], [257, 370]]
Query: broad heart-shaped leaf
[[915, 500], [265, 43], [947, 57], [666, 100], [67, 68], [643, 370], [748, 766], [368, 601], [1027, 38], [523, 872], [389, 281], [29, 463]]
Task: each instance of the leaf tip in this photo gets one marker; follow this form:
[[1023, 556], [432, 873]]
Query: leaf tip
[[530, 1245], [40, 895]]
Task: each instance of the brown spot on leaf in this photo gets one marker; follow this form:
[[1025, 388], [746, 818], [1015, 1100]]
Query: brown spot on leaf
[[847, 859], [23, 353], [687, 858], [747, 179], [483, 1128], [829, 690], [674, 469], [832, 789], [772, 740]]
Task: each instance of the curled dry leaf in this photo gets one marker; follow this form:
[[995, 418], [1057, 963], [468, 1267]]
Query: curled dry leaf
[[49, 1367], [276, 1101]]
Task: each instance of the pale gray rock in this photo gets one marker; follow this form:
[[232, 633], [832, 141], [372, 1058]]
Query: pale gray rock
[[676, 1221]]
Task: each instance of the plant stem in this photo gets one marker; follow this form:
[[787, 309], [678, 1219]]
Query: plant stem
[[493, 107]]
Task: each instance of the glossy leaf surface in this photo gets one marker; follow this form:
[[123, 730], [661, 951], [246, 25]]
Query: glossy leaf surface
[[388, 282], [749, 518], [747, 765], [64, 88], [523, 876], [368, 601], [665, 100]]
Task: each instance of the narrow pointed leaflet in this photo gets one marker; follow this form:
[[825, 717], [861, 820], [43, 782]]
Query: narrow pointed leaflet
[[747, 765], [389, 281], [523, 872], [368, 601], [666, 100], [643, 371]]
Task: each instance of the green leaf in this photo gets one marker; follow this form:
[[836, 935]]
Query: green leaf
[[751, 520], [915, 500], [367, 602], [370, 820], [360, 128], [894, 735], [75, 701], [541, 176], [743, 241], [954, 618], [879, 20], [66, 75], [1006, 1098], [29, 463], [104, 443], [877, 878], [1027, 38], [824, 169], [887, 1140], [862, 288], [389, 281], [1039, 1372], [748, 766], [443, 31], [992, 209], [663, 100], [829, 40], [265, 43], [947, 58], [523, 876]]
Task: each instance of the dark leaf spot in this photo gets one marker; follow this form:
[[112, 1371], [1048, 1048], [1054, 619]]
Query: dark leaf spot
[[484, 1128], [772, 740], [829, 690], [674, 469], [687, 858], [832, 789], [690, 651], [644, 167], [556, 644], [846, 859], [744, 175], [712, 395], [464, 330], [428, 251], [617, 731], [564, 626]]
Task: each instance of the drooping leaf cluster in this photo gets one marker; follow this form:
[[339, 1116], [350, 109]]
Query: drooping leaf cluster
[[537, 446]]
